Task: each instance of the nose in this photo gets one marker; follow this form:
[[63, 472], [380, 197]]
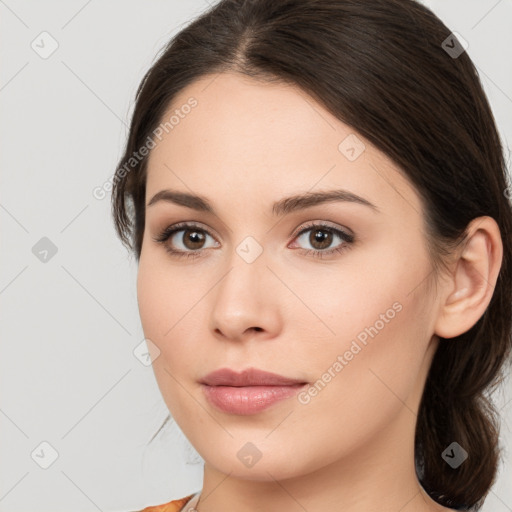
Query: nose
[[246, 302]]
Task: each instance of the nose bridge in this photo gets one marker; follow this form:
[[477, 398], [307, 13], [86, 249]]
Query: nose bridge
[[243, 283]]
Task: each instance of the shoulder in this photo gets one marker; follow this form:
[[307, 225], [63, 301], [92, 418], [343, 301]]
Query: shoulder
[[171, 506]]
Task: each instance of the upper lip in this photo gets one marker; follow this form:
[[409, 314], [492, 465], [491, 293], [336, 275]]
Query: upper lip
[[248, 377]]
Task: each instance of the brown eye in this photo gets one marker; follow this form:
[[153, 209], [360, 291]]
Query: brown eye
[[320, 238], [192, 238], [185, 240]]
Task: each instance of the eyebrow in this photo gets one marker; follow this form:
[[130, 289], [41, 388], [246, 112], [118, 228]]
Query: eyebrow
[[281, 207]]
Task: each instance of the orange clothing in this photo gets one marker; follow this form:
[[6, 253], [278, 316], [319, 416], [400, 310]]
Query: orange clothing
[[172, 506]]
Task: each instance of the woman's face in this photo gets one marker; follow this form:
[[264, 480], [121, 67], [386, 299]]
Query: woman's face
[[280, 289]]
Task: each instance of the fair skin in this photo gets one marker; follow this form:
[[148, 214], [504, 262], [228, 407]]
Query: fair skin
[[243, 147]]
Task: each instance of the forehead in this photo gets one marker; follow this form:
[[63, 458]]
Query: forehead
[[265, 140]]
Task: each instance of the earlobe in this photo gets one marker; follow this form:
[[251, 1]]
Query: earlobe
[[470, 289]]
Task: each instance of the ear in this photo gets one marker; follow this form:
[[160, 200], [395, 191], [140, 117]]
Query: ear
[[470, 287]]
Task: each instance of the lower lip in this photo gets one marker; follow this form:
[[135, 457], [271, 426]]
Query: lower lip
[[248, 399]]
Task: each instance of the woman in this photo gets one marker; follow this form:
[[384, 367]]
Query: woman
[[315, 192]]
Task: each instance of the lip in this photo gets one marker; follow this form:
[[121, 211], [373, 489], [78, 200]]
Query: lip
[[248, 392], [248, 377]]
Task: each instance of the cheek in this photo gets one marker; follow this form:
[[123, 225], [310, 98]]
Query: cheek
[[170, 302], [381, 321], [151, 299], [373, 311], [164, 296], [163, 304], [341, 301], [358, 387], [160, 308]]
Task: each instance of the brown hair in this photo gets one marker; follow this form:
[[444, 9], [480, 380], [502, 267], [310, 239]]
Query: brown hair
[[383, 67]]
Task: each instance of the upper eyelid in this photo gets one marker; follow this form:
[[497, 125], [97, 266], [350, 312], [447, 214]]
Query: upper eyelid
[[183, 226], [312, 224]]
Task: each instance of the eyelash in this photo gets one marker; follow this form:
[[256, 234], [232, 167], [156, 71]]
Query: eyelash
[[347, 238]]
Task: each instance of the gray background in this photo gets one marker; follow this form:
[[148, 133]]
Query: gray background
[[70, 324]]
